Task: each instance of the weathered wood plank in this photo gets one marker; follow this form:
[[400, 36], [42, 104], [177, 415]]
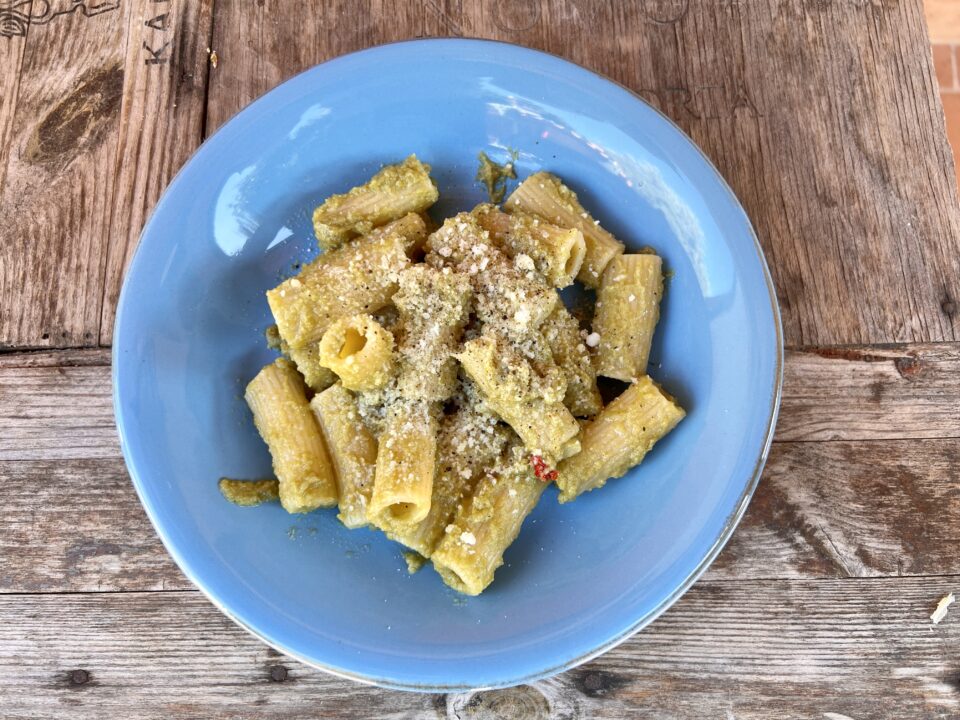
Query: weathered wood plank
[[161, 122], [726, 650], [824, 508], [851, 509], [864, 393], [255, 47], [98, 357], [12, 43], [900, 392], [833, 509], [56, 413], [55, 200], [864, 246], [110, 104], [78, 526]]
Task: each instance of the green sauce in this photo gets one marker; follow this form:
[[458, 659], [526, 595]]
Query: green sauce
[[249, 492], [494, 176]]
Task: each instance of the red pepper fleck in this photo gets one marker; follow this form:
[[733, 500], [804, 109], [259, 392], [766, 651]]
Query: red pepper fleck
[[542, 470]]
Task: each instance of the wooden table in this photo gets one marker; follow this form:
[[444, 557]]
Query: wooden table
[[824, 117]]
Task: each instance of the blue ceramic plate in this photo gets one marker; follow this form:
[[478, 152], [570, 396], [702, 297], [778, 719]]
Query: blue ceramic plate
[[236, 220]]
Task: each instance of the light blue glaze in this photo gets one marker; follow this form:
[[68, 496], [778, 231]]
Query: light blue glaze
[[189, 335]]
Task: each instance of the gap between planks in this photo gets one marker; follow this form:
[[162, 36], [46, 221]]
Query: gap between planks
[[706, 580]]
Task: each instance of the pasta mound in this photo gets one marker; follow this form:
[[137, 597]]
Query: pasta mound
[[433, 383]]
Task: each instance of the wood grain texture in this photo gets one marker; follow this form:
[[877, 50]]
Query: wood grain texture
[[871, 393], [855, 507], [790, 649], [256, 49], [11, 59], [851, 509], [56, 413], [824, 117], [78, 526], [89, 357], [109, 105], [56, 195], [161, 122]]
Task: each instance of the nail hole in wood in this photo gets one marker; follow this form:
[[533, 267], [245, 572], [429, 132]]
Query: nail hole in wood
[[949, 307], [278, 673], [45, 336], [79, 677]]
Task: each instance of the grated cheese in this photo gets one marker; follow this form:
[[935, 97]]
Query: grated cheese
[[942, 608]]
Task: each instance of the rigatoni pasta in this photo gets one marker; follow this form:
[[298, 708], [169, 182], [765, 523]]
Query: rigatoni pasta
[[557, 252], [307, 360], [618, 438], [353, 449], [433, 309], [300, 460], [627, 310], [434, 384], [469, 441], [406, 460], [359, 350], [509, 386], [358, 278], [393, 192], [562, 333], [545, 195], [509, 294], [488, 522]]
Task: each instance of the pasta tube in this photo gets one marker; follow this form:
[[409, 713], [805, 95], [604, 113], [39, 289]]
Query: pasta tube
[[468, 441], [300, 460], [489, 521], [511, 389], [562, 333], [433, 307], [393, 192], [360, 351], [358, 278], [406, 458], [545, 195], [353, 451], [556, 252], [627, 310], [618, 438]]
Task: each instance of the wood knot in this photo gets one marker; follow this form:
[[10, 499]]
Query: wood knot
[[909, 367], [278, 673], [524, 702], [597, 683], [80, 120], [78, 677]]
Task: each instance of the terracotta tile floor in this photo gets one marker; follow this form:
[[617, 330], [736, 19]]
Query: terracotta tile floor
[[943, 21]]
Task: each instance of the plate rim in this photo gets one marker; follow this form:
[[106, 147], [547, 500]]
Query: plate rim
[[730, 524]]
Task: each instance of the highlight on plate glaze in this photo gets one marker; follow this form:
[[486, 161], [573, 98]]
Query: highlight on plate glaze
[[16, 15]]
